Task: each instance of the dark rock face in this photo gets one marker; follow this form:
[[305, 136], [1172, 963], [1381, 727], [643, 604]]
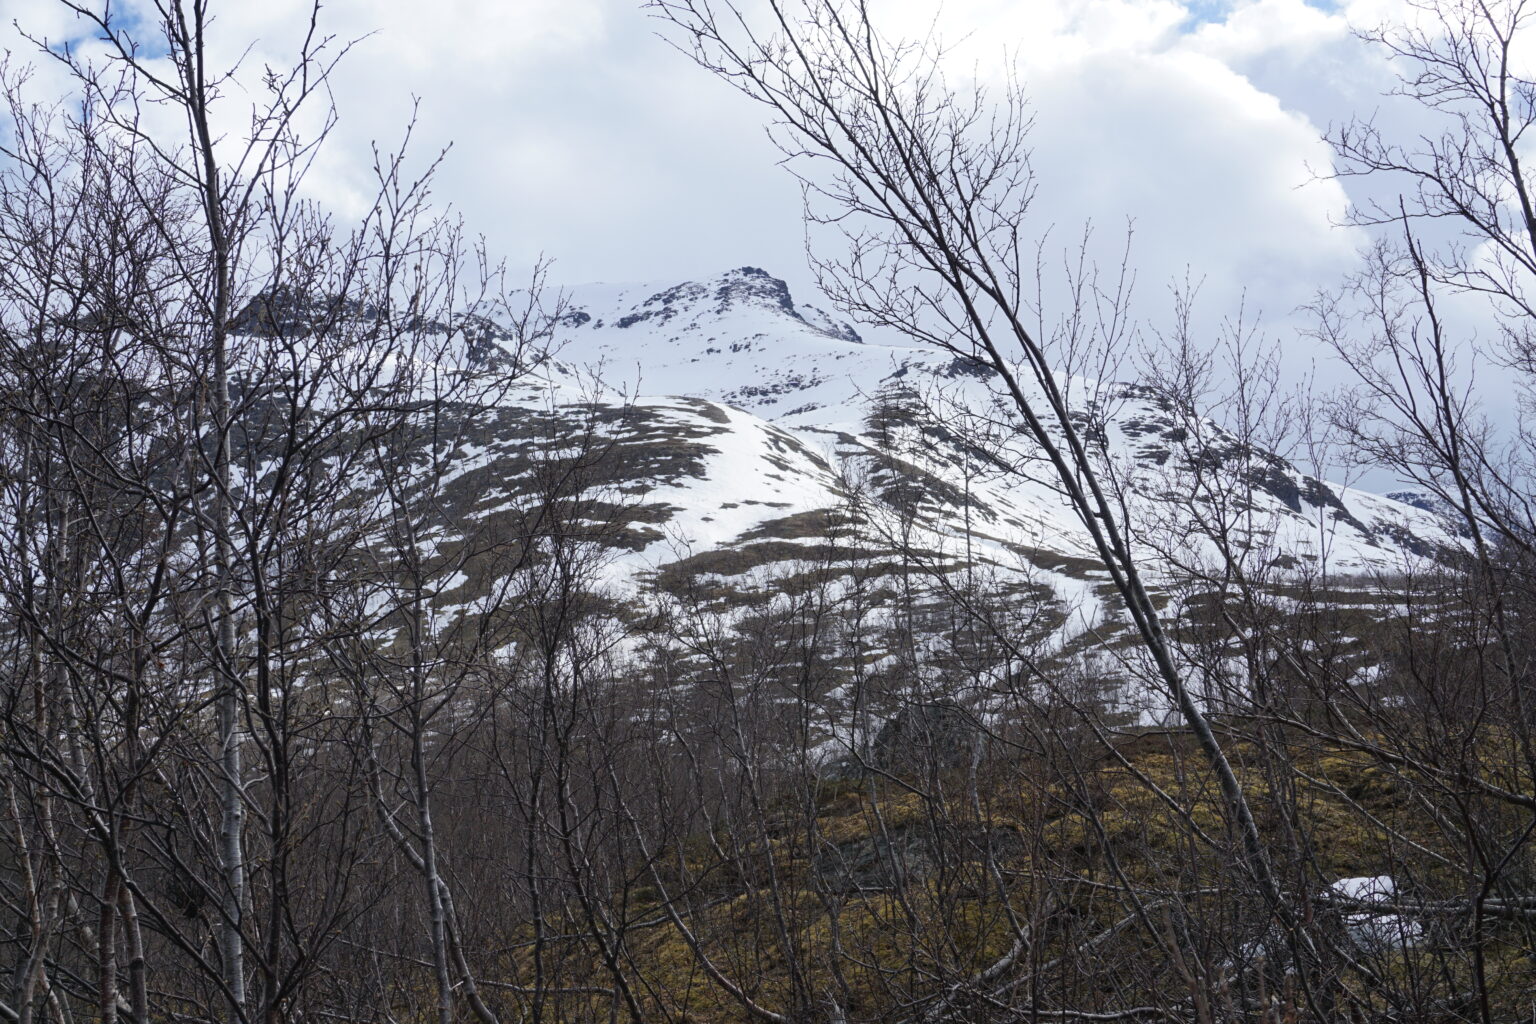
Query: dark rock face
[[662, 306], [287, 312], [1271, 476], [1320, 495], [755, 286], [905, 854], [927, 736], [874, 862], [969, 368]]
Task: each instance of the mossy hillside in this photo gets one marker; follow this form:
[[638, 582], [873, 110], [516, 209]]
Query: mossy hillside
[[1069, 850]]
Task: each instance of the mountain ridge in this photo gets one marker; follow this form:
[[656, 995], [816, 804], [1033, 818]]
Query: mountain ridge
[[739, 340]]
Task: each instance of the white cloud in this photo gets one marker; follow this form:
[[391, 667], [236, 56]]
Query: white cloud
[[1213, 171], [577, 133], [1040, 33], [1260, 27]]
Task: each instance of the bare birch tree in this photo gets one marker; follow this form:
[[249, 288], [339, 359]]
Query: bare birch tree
[[931, 188]]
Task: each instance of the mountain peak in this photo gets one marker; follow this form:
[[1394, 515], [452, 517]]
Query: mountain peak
[[753, 286], [750, 293]]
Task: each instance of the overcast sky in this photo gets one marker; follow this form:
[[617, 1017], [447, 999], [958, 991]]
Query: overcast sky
[[579, 134]]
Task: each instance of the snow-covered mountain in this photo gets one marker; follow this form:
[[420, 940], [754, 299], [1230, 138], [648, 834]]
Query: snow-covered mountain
[[789, 414], [718, 452]]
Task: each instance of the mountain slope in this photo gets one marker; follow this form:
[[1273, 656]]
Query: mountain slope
[[930, 436]]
